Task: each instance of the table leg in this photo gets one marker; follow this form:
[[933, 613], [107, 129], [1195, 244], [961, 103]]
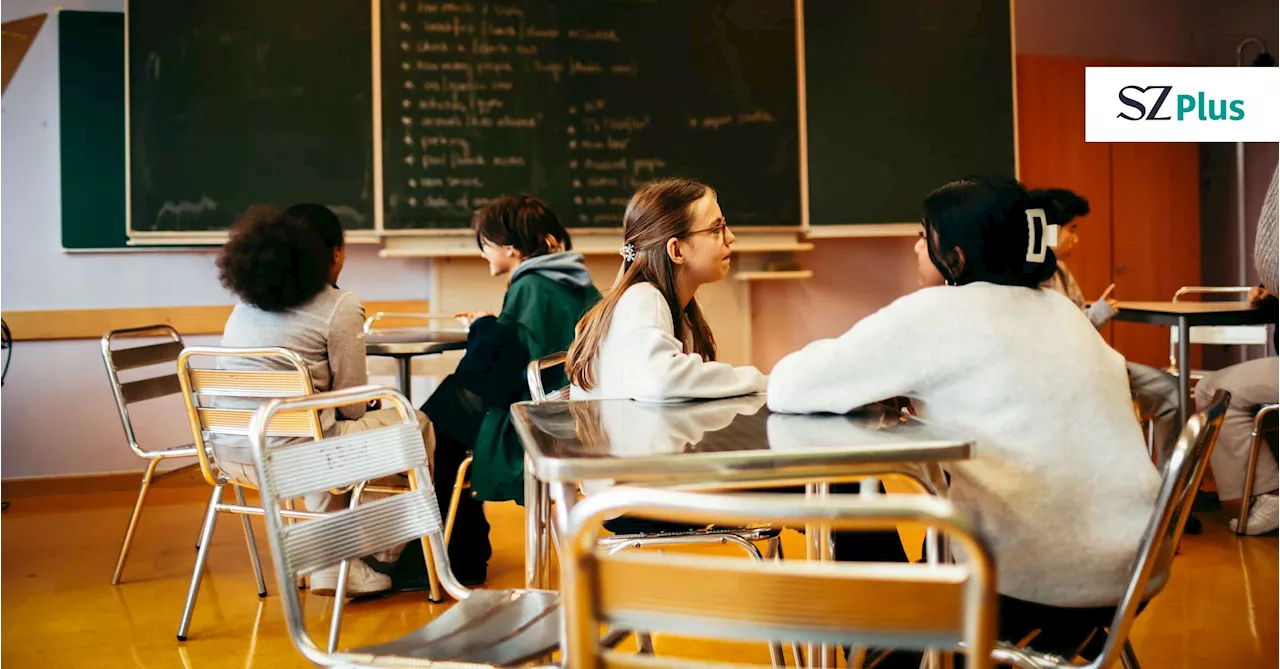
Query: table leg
[[819, 546], [1184, 370], [404, 377], [534, 531]]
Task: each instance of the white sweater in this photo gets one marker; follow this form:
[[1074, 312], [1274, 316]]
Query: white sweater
[[641, 359], [1061, 482]]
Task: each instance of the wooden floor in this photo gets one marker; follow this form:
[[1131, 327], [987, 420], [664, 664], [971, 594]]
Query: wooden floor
[[1218, 611]]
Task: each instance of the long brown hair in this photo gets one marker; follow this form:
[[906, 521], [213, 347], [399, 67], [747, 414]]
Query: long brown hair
[[657, 212]]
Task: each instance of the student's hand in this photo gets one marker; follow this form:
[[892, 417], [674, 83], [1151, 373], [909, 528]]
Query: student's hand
[[373, 405], [468, 318], [1258, 295], [1111, 301]]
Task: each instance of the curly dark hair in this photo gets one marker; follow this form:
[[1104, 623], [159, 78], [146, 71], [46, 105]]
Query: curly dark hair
[[278, 261]]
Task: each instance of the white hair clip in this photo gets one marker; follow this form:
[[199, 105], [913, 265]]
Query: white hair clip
[[628, 252], [1040, 235]]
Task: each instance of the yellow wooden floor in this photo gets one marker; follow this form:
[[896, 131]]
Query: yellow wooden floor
[[1218, 611]]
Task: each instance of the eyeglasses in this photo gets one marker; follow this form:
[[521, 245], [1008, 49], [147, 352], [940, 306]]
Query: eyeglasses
[[717, 230]]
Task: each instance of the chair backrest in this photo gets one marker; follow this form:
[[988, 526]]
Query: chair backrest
[[157, 384], [202, 388], [295, 469], [403, 316], [1182, 474], [1221, 335], [542, 369], [877, 604]]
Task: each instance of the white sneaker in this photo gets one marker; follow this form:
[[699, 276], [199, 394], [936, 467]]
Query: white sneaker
[[360, 581], [1264, 515]]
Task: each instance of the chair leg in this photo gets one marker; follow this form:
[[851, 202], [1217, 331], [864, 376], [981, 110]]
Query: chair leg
[[252, 543], [344, 571], [206, 534], [458, 483], [1246, 500], [1129, 658], [133, 520], [291, 505], [339, 599]]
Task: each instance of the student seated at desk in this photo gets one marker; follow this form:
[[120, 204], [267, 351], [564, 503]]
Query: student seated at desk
[[647, 339], [1251, 384], [1154, 391], [548, 290], [1061, 482], [283, 266]]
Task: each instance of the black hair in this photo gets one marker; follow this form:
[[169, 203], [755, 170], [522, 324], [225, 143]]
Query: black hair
[[521, 221], [278, 261], [976, 229], [323, 220], [1064, 206]]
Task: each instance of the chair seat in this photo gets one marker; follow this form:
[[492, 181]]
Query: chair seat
[[491, 627]]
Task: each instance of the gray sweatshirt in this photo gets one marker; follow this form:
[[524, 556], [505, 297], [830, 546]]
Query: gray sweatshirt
[[328, 332]]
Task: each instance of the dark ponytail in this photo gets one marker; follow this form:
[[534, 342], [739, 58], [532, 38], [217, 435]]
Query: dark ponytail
[[977, 231]]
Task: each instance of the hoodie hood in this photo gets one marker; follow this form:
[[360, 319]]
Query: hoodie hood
[[567, 267]]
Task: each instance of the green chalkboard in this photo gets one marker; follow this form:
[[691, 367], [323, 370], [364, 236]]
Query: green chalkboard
[[241, 102], [903, 96], [91, 116], [581, 101]]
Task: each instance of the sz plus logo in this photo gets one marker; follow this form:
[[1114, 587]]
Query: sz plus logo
[[1182, 104], [1148, 103]]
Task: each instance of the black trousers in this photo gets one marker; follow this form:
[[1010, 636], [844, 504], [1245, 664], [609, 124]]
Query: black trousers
[[456, 414]]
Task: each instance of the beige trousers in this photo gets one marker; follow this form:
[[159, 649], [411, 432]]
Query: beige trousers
[[1251, 385]]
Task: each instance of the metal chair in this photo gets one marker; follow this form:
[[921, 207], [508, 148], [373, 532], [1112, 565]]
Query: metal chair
[[125, 359], [200, 390], [950, 606], [1182, 475], [403, 316], [485, 627], [1255, 444], [1221, 335]]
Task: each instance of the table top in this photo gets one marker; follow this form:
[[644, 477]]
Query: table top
[[414, 341], [720, 440], [1196, 313]]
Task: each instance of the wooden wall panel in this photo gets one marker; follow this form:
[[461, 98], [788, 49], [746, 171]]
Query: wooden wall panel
[[1052, 153], [93, 323], [1156, 213]]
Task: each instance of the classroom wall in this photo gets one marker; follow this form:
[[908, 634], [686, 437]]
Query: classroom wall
[[854, 277], [56, 412]]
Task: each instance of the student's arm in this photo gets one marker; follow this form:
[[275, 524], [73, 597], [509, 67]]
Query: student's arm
[[494, 365], [346, 350], [658, 370], [877, 359]]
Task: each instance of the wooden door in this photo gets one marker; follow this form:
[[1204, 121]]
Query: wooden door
[[1052, 153], [1156, 228]]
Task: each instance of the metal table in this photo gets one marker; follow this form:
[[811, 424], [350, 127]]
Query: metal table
[[710, 444], [1186, 315], [405, 344]]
